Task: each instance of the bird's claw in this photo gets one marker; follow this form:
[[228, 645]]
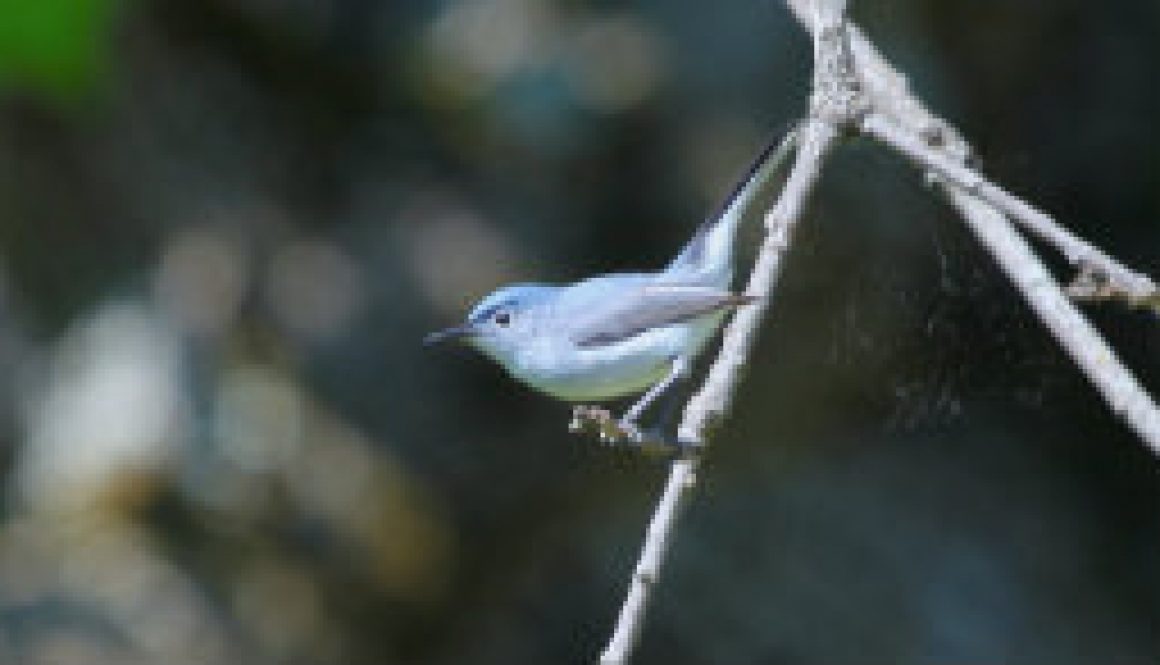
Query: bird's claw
[[610, 430], [629, 432], [614, 431]]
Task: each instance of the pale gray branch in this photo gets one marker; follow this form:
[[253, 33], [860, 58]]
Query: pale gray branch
[[682, 478], [902, 122], [1080, 253], [887, 90], [985, 208], [712, 401], [855, 88], [709, 404], [1094, 356]]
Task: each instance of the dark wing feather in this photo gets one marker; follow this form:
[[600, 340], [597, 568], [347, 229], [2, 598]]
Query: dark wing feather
[[648, 307]]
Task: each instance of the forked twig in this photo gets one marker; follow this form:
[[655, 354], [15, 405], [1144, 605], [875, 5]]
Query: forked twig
[[855, 89], [709, 404]]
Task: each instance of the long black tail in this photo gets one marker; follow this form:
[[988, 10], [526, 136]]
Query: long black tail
[[711, 247]]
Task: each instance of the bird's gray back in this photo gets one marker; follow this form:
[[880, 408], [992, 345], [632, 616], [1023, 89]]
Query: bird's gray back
[[611, 308]]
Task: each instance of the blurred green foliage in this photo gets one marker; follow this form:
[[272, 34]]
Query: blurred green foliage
[[60, 47], [220, 441]]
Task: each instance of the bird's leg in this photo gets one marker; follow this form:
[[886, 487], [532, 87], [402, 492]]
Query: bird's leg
[[667, 406], [627, 423]]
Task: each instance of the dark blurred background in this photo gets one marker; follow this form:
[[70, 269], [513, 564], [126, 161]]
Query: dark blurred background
[[226, 224]]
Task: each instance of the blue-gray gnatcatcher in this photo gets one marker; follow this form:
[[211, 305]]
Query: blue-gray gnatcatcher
[[624, 333]]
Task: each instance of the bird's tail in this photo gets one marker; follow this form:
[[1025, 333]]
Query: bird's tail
[[709, 255]]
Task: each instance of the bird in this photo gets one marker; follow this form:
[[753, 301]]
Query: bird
[[621, 334]]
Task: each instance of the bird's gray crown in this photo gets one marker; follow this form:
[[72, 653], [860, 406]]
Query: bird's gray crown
[[514, 297]]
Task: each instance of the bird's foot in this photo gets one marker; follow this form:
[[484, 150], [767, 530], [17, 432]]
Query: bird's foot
[[615, 431], [605, 425]]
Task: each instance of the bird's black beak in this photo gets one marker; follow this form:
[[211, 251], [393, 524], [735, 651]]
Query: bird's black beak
[[455, 334]]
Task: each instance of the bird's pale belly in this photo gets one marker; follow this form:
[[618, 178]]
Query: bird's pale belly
[[599, 381], [608, 371]]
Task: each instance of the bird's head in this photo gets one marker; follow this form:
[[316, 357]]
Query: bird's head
[[500, 323]]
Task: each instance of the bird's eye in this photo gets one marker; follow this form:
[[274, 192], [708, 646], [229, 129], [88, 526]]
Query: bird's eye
[[503, 318]]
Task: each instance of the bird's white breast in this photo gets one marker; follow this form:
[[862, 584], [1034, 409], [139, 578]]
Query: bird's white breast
[[562, 369]]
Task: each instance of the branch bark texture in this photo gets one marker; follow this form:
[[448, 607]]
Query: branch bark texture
[[985, 207], [856, 90], [715, 396], [899, 120]]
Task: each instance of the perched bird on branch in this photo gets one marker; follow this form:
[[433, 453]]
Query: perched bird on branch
[[615, 335]]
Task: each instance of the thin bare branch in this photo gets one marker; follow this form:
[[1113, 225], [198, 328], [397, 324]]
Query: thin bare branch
[[712, 401], [682, 479], [708, 405], [1079, 339], [1084, 256], [985, 208], [856, 88]]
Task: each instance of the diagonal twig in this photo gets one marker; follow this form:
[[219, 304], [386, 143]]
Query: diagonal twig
[[1101, 277], [836, 100], [1077, 251], [985, 207], [856, 89], [901, 121], [712, 401]]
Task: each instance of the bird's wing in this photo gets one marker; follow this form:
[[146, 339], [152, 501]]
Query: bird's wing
[[647, 307]]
